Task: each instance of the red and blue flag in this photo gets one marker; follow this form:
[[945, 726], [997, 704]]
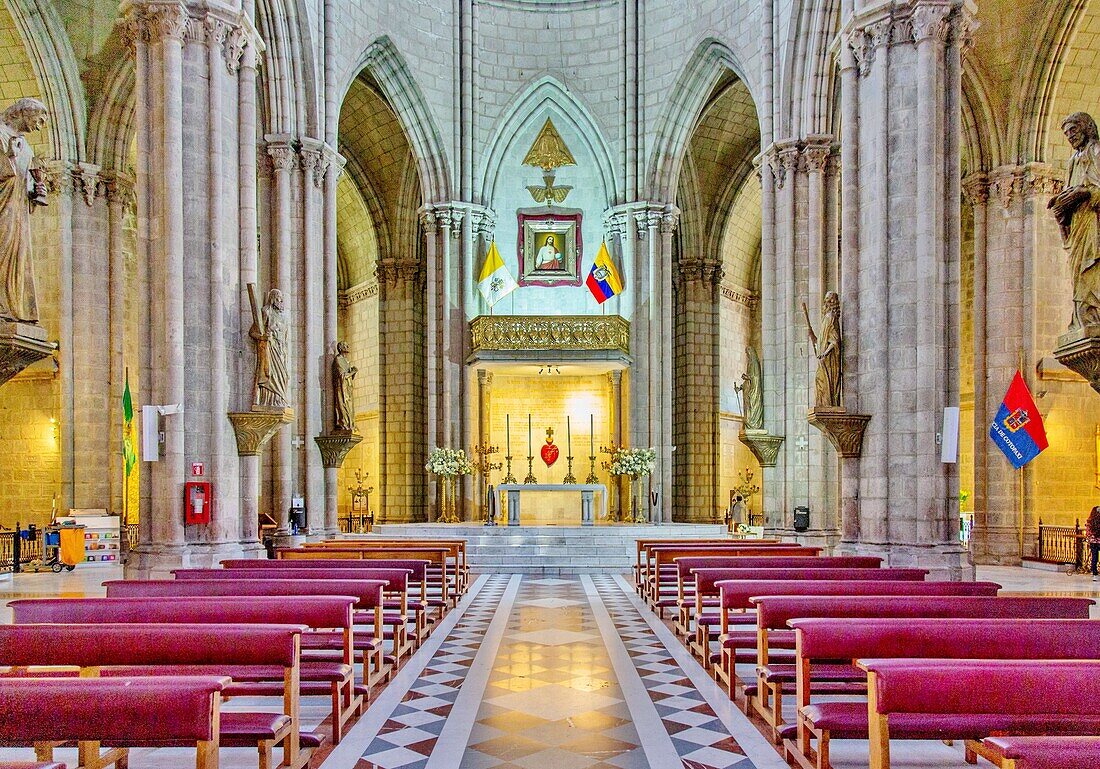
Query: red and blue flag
[[1018, 427]]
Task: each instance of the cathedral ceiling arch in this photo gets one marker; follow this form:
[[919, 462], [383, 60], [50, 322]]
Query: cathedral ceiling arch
[[389, 72], [711, 64], [288, 73], [378, 153], [44, 47], [805, 96], [547, 97], [1073, 85], [356, 239], [740, 239]]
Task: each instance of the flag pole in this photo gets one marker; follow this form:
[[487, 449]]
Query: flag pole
[[1020, 472]]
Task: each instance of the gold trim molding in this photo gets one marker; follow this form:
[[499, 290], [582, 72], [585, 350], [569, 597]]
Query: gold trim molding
[[553, 332]]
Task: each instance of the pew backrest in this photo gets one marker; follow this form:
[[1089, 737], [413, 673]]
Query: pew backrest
[[127, 711], [773, 612], [737, 594], [706, 580], [368, 592]]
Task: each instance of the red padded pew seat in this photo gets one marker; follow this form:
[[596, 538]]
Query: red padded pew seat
[[1045, 752]]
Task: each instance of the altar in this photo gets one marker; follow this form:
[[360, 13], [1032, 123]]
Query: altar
[[587, 501]]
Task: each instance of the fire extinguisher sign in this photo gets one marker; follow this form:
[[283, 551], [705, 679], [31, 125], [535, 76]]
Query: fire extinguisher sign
[[197, 469]]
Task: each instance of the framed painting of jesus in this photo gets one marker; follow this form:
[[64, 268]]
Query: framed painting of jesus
[[549, 248]]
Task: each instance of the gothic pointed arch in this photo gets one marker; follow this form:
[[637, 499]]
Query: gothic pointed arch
[[710, 61], [545, 97], [287, 73], [51, 54], [387, 67]]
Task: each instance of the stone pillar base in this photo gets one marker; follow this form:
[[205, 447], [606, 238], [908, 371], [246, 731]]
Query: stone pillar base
[[944, 562], [21, 344], [827, 539], [158, 561], [999, 545]]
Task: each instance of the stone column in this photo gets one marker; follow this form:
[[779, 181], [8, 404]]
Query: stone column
[[615, 385], [119, 191], [402, 378], [283, 160], [906, 273], [698, 440], [317, 392], [1017, 259], [484, 432], [189, 159], [333, 165], [433, 351]]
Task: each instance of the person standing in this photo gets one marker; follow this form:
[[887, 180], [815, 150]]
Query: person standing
[[1092, 533]]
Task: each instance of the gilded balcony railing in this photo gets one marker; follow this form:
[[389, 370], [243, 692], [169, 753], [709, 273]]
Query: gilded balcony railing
[[550, 332]]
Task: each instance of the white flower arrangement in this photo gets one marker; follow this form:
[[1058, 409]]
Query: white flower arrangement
[[449, 463], [637, 463]]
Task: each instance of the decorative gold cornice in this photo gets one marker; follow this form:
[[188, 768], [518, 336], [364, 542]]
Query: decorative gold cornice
[[555, 332]]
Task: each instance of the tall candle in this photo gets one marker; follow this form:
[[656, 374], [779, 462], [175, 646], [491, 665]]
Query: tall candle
[[508, 435], [530, 445], [591, 435], [568, 438]]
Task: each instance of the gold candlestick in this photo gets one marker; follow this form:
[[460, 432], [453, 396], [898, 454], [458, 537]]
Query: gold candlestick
[[592, 478], [485, 467], [569, 477]]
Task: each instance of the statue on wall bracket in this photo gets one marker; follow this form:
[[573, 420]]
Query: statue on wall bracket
[[1077, 210], [844, 430], [22, 189], [763, 445]]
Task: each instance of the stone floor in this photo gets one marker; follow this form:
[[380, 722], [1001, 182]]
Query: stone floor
[[554, 673]]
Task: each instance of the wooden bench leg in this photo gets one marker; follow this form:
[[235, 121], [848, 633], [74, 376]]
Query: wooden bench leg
[[206, 754], [878, 727], [265, 750]]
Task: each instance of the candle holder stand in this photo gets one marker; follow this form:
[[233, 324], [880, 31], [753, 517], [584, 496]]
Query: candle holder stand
[[530, 470], [592, 470], [508, 477], [569, 477]]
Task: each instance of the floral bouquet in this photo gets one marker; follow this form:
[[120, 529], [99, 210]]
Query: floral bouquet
[[637, 463], [449, 463]]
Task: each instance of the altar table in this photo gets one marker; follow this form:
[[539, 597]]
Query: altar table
[[587, 491]]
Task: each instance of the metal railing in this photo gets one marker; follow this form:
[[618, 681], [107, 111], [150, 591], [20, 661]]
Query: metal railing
[[357, 523], [30, 547], [1064, 545]]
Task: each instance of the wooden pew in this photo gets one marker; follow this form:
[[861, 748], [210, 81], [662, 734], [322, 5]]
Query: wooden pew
[[31, 765], [432, 554], [416, 598], [643, 544], [1043, 752], [315, 612], [457, 548], [163, 711], [687, 593], [241, 652], [368, 592], [395, 616], [661, 574], [649, 566], [773, 613], [935, 700], [823, 641]]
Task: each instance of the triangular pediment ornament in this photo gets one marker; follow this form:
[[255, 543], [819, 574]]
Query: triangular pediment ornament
[[549, 151]]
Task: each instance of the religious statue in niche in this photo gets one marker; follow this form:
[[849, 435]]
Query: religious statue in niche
[[343, 395], [270, 331], [752, 392], [828, 350], [1077, 211], [22, 188]]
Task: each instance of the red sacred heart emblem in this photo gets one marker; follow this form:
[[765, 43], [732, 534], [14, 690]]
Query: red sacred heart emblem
[[549, 453]]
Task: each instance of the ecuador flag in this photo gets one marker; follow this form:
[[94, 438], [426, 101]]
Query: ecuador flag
[[603, 279], [1018, 427]]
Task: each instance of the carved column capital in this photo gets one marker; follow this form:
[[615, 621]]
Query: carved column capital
[[817, 153], [484, 377], [313, 160], [86, 180], [483, 222], [282, 154], [787, 157], [1042, 180], [670, 219], [428, 220], [1007, 184], [976, 188], [931, 24], [450, 217]]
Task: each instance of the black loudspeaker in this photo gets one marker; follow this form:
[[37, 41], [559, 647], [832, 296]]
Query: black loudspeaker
[[801, 518]]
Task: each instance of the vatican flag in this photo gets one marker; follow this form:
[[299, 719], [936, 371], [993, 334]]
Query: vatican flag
[[495, 281]]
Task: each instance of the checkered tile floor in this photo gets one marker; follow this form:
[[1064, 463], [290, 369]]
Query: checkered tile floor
[[701, 739], [406, 740], [551, 699]]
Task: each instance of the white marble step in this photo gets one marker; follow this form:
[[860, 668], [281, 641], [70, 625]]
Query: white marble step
[[549, 550]]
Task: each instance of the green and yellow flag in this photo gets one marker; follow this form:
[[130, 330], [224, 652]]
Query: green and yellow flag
[[129, 455]]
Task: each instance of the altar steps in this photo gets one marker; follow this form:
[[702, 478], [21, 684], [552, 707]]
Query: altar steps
[[550, 550]]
